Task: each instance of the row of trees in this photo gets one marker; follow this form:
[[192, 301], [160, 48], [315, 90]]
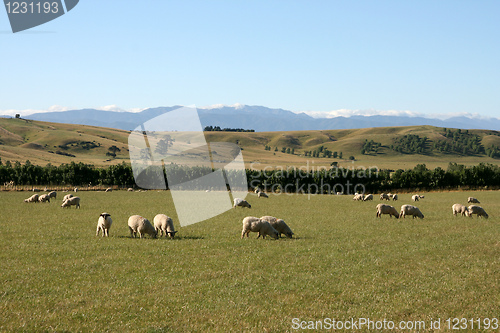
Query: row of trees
[[319, 180], [285, 150], [370, 147], [219, 129]]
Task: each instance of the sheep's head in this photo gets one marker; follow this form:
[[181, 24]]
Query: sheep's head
[[289, 234], [105, 215], [171, 234]]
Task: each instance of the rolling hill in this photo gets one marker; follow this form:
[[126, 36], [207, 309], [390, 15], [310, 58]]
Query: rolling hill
[[56, 143]]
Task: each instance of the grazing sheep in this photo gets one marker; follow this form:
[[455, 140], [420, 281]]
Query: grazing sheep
[[109, 189], [415, 197], [36, 190], [384, 196], [368, 197], [163, 223], [255, 224], [130, 189], [53, 194], [76, 189], [472, 200], [340, 193], [33, 198], [141, 225], [241, 203], [394, 197], [44, 198], [67, 196], [256, 190], [421, 196], [460, 209], [104, 224], [479, 211], [358, 197], [73, 201], [410, 210], [262, 195], [387, 209], [280, 226]]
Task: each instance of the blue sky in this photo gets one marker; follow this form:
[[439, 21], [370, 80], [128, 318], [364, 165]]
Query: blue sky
[[325, 57]]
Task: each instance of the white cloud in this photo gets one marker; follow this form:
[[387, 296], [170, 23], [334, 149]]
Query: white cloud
[[369, 112], [218, 106], [116, 108]]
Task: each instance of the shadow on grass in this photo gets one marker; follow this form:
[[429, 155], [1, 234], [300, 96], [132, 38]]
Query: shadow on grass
[[177, 238]]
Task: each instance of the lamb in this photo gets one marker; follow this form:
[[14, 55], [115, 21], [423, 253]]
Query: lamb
[[410, 210], [387, 209], [460, 209], [73, 201], [44, 198], [358, 197], [33, 198], [479, 211], [251, 223], [472, 200], [241, 203], [163, 223], [262, 195], [53, 194], [280, 226], [141, 225], [104, 224], [384, 196], [368, 197], [67, 196]]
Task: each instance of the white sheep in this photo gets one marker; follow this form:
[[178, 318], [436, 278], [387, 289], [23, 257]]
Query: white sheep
[[109, 189], [340, 193], [53, 194], [368, 197], [384, 196], [141, 225], [76, 189], [460, 209], [33, 198], [415, 197], [410, 210], [280, 226], [44, 198], [256, 190], [238, 202], [472, 200], [262, 195], [104, 224], [387, 209], [479, 211], [163, 223], [130, 189], [255, 224], [394, 197], [67, 196], [358, 197], [73, 201]]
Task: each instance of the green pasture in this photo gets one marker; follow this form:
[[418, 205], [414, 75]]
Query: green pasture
[[56, 275]]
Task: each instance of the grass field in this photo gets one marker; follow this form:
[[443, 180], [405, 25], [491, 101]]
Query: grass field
[[343, 263]]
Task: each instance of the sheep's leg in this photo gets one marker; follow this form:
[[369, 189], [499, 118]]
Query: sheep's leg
[[97, 232], [107, 232]]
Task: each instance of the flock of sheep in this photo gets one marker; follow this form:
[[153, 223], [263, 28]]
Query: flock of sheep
[[415, 211], [264, 226]]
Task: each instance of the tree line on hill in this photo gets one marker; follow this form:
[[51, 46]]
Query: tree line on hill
[[219, 129], [318, 180]]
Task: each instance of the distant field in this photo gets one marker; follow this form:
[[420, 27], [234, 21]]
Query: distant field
[[343, 263], [40, 142]]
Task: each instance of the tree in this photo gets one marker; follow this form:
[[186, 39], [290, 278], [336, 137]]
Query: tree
[[340, 155]]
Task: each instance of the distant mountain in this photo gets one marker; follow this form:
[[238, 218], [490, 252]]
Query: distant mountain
[[259, 118]]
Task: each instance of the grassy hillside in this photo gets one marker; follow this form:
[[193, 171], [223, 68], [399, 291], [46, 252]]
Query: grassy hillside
[[54, 143]]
